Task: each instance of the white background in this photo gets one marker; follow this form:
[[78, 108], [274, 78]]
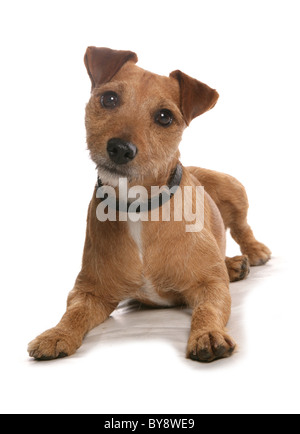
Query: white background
[[248, 51]]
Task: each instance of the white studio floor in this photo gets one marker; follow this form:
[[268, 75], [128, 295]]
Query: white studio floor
[[135, 362]]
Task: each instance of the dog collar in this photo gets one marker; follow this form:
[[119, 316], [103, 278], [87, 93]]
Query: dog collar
[[153, 203]]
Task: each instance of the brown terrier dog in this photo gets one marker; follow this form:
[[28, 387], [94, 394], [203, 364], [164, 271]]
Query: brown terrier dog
[[134, 121]]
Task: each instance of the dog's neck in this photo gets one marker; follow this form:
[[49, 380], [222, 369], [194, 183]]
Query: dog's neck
[[159, 179], [149, 202]]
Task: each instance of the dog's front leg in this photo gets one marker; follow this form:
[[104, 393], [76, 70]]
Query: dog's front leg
[[212, 306], [84, 312]]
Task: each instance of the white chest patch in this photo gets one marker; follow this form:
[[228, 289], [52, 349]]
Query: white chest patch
[[135, 230], [147, 290]]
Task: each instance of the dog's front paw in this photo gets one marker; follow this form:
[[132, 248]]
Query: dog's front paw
[[257, 253], [209, 346], [52, 344]]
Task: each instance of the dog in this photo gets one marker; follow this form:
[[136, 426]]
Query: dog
[[134, 123]]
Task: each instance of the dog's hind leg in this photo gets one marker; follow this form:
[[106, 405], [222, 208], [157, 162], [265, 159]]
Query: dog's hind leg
[[231, 198], [238, 267]]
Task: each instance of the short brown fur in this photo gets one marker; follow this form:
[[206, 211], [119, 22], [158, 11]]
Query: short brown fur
[[183, 268]]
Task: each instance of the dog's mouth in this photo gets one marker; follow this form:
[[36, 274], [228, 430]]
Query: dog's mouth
[[110, 174], [113, 170]]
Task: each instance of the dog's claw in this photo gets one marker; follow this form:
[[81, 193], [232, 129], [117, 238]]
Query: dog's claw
[[210, 346]]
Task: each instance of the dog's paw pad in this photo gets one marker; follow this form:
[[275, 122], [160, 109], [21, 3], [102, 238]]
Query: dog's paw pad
[[238, 268], [53, 344], [210, 346], [46, 358]]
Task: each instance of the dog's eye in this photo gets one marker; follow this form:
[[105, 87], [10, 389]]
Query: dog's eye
[[109, 100], [164, 118]]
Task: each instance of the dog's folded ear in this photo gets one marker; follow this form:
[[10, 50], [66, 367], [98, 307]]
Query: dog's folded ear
[[102, 64], [196, 98]]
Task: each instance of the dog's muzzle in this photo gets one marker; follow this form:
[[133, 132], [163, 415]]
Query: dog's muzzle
[[120, 151]]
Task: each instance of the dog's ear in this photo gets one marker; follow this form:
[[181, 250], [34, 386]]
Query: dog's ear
[[196, 98], [103, 63]]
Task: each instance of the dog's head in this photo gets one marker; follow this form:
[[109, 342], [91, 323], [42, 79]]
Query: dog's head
[[135, 119]]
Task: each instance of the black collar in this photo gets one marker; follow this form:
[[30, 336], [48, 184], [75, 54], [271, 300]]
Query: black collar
[[154, 202]]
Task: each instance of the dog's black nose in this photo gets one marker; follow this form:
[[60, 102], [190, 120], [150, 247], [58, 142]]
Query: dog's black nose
[[121, 152]]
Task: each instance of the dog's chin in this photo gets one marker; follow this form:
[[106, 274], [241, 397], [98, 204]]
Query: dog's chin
[[112, 175]]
